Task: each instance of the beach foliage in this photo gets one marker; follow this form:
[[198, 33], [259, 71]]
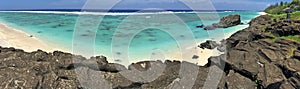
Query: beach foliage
[[294, 15], [278, 8]]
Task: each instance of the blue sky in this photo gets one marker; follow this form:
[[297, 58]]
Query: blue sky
[[135, 4]]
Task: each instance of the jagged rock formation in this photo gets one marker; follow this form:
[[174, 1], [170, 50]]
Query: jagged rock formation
[[256, 57], [225, 22], [41, 70], [259, 53], [228, 21], [209, 44]]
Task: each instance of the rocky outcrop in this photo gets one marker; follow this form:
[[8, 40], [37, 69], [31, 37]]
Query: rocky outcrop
[[225, 22], [261, 53], [209, 44], [228, 21], [57, 70], [200, 26], [263, 56]]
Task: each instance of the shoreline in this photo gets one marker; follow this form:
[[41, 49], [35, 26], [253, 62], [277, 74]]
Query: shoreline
[[11, 37], [21, 40]]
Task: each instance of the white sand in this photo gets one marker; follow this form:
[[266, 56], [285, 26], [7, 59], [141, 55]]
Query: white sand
[[10, 37], [3, 43], [263, 13]]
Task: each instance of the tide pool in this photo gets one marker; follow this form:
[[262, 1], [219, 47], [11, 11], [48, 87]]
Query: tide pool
[[58, 29]]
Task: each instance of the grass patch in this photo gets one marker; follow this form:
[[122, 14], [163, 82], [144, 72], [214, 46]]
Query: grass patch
[[293, 38], [291, 51], [294, 15], [277, 16]]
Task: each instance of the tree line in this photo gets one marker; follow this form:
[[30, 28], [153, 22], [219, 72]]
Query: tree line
[[279, 7]]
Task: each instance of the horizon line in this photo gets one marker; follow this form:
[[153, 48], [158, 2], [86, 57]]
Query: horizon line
[[115, 10]]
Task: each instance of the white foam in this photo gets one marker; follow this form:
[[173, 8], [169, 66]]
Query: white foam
[[105, 13], [229, 11]]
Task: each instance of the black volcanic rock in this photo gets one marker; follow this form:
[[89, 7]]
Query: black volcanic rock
[[41, 70], [252, 52], [237, 81], [209, 44], [225, 22], [200, 26], [284, 29], [228, 21]]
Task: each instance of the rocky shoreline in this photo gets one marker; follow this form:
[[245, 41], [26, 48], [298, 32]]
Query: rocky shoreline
[[260, 54], [256, 58]]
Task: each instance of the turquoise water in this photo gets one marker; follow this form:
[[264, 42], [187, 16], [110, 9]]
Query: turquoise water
[[58, 29]]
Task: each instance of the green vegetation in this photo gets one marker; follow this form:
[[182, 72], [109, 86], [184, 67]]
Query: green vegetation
[[277, 10], [293, 38], [291, 51], [278, 14], [295, 4], [295, 15], [279, 7]]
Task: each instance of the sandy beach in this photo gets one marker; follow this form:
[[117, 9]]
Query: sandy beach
[[10, 37]]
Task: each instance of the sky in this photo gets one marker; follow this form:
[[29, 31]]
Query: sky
[[138, 4]]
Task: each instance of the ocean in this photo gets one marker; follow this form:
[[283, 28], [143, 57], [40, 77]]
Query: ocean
[[151, 30]]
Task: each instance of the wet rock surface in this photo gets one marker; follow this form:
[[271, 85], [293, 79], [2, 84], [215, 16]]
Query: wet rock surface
[[255, 59]]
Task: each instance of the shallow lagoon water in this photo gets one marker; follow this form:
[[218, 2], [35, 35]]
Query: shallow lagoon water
[[58, 29]]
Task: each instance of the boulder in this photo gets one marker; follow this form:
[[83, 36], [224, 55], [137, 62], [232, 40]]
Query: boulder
[[200, 26], [229, 21], [209, 44], [225, 22]]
